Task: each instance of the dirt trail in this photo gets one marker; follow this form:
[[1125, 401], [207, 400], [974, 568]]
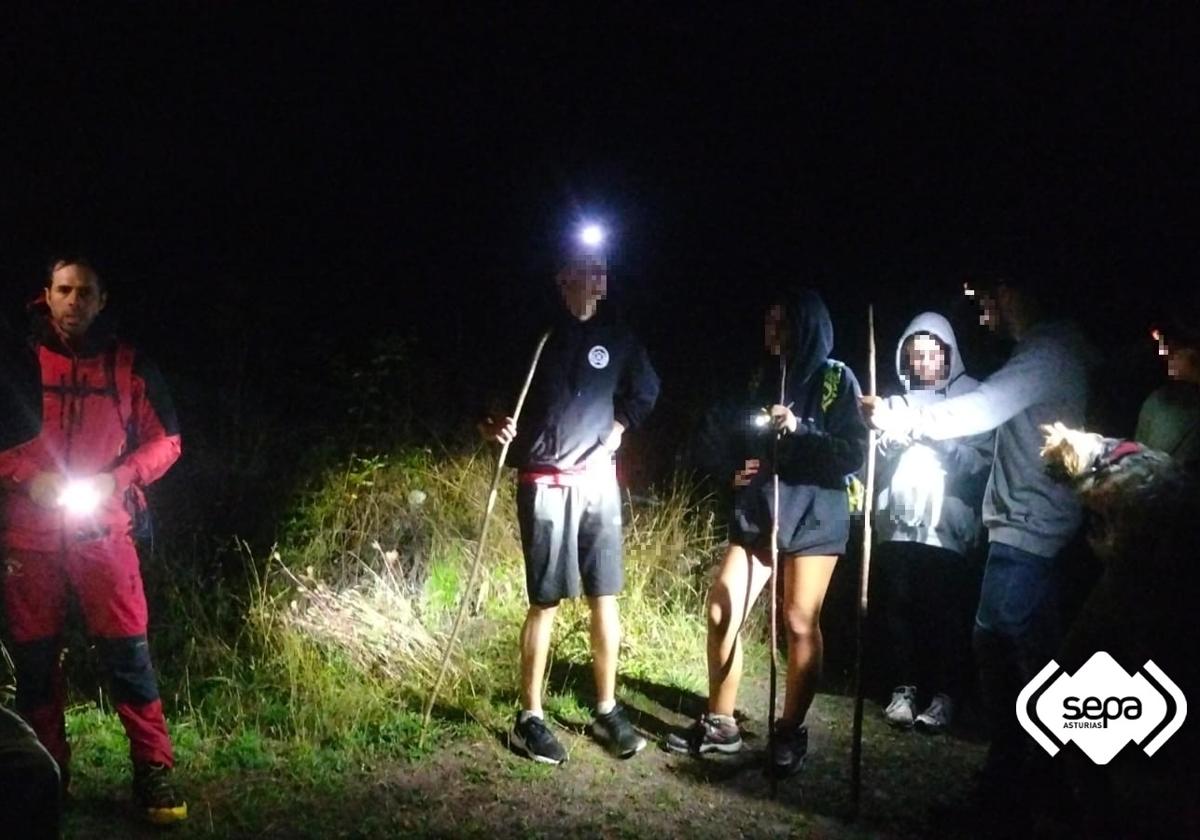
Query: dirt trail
[[480, 789]]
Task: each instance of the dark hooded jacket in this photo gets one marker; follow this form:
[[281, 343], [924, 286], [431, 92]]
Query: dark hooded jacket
[[814, 461], [20, 390], [591, 373]]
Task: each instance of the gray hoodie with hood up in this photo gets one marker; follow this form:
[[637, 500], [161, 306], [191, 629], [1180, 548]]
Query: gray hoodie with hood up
[[1045, 380], [932, 490]]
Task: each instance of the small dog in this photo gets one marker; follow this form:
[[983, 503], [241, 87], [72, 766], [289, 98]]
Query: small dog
[[1139, 495]]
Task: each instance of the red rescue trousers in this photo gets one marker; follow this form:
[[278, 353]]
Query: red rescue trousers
[[107, 582]]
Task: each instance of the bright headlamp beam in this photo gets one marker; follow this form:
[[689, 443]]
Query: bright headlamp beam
[[591, 235], [79, 497]]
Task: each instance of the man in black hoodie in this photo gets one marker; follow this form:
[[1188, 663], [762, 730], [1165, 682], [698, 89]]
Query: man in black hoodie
[[594, 382]]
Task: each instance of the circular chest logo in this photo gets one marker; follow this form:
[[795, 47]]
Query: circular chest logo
[[598, 357]]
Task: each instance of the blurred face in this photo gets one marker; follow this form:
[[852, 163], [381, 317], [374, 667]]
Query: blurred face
[[999, 309], [583, 283], [775, 331], [926, 359], [1183, 364], [75, 299]]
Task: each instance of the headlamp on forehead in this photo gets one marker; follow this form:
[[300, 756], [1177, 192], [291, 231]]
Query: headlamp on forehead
[[591, 236], [1161, 340]]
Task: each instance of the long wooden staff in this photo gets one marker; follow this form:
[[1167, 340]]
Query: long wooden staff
[[774, 609], [864, 577], [465, 599]]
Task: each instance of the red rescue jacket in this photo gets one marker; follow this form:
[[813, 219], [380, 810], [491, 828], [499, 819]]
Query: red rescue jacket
[[105, 408]]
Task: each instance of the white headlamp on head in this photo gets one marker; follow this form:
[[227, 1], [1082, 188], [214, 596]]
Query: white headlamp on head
[[591, 236], [79, 497]]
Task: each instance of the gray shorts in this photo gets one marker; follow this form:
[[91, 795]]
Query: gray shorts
[[571, 537]]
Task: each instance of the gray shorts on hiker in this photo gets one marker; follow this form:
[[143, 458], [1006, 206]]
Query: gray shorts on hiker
[[571, 536]]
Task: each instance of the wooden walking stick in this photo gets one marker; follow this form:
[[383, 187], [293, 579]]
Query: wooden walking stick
[[773, 612], [465, 599], [864, 578]]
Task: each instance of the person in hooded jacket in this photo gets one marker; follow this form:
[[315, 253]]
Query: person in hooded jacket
[[927, 521], [813, 408], [108, 430], [1030, 517], [593, 383]]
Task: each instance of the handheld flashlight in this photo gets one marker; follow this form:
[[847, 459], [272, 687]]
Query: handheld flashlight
[[762, 417], [79, 497]]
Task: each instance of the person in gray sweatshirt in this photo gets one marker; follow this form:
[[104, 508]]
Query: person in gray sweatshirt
[[927, 522], [1029, 516]]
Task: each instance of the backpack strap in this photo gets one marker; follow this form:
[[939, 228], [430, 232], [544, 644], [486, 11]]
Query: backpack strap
[[119, 362]]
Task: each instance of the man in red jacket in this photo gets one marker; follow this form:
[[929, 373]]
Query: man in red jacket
[[108, 430]]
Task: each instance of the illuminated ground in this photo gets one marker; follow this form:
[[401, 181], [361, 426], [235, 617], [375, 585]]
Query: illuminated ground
[[474, 787]]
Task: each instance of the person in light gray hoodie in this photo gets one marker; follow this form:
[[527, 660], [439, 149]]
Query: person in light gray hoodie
[[1030, 517], [927, 520]]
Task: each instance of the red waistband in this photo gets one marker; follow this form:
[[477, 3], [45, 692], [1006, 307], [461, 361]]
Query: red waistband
[[569, 477]]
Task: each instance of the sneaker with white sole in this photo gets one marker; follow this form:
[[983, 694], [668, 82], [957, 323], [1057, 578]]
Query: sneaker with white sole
[[710, 733], [937, 717], [531, 736], [617, 734], [903, 708]]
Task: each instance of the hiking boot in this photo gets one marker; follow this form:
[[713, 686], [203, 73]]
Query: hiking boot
[[710, 733], [937, 717], [155, 794], [789, 750], [903, 708], [531, 736], [617, 734]]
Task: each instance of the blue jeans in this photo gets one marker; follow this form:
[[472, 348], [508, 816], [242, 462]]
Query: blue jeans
[[1016, 634]]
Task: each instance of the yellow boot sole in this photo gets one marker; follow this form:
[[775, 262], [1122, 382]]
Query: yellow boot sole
[[167, 816]]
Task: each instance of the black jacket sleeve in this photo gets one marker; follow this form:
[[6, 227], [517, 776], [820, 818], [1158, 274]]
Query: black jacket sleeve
[[832, 447], [638, 389], [20, 390]]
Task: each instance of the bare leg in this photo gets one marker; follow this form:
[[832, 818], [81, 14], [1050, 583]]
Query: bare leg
[[535, 648], [606, 642], [805, 580], [739, 581]]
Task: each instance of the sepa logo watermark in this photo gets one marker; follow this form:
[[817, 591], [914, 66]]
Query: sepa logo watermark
[[1102, 707]]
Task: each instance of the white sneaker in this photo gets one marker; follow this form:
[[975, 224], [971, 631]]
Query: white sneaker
[[903, 708], [937, 717]]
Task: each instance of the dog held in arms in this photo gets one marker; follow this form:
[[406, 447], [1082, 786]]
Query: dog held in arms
[[1143, 512]]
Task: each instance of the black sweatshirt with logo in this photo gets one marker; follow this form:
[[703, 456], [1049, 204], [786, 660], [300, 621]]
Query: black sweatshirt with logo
[[591, 373]]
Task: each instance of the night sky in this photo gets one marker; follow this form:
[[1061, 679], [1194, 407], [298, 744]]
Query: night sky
[[298, 183]]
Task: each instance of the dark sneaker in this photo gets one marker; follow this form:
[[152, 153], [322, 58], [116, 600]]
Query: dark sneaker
[[710, 733], [532, 737], [155, 794], [790, 749], [617, 734]]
